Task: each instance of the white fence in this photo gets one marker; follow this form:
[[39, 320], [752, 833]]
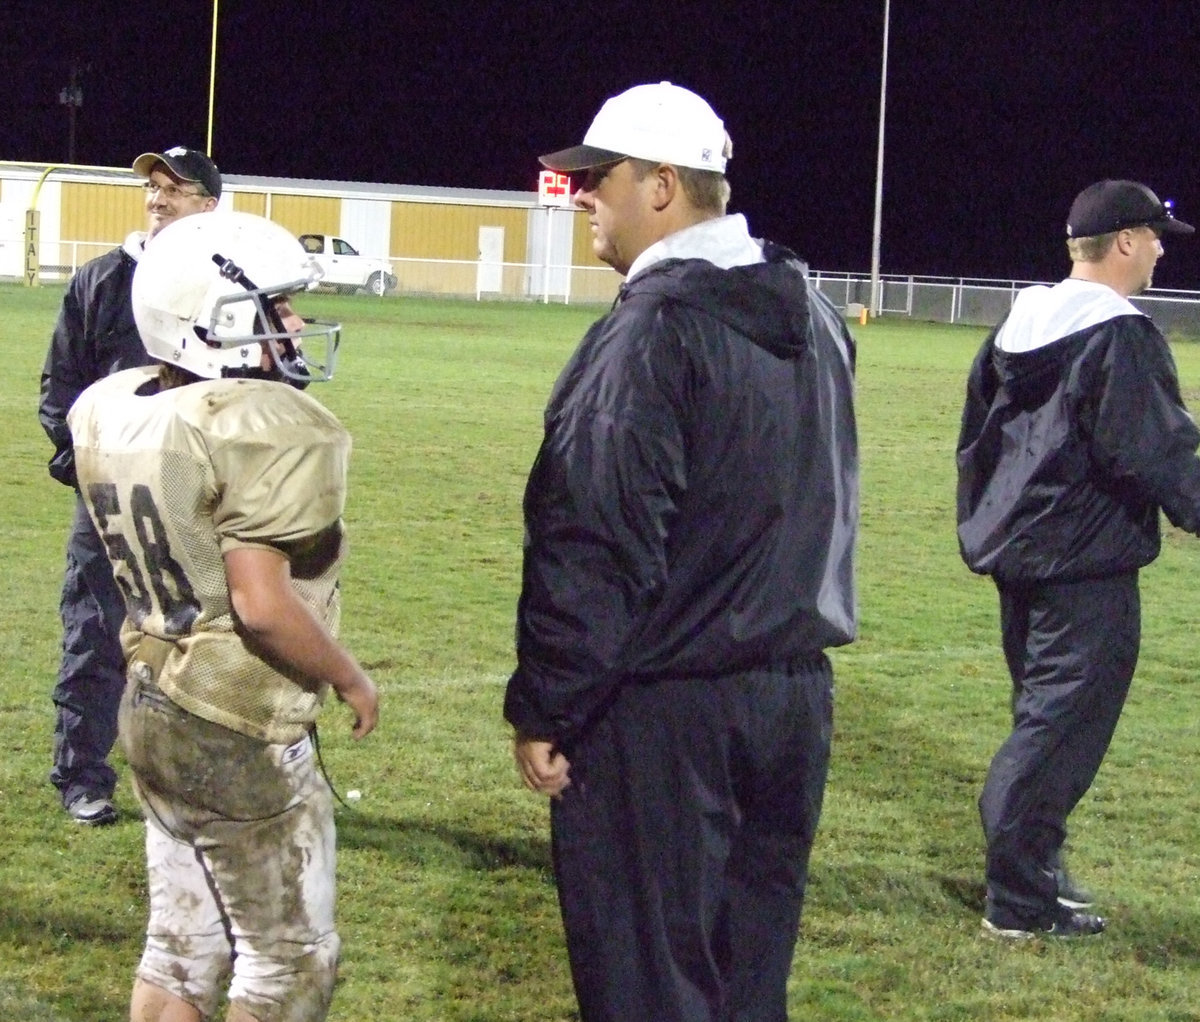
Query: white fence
[[968, 300], [446, 278], [984, 302]]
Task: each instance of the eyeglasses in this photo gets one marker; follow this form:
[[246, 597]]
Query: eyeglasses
[[169, 190], [594, 175]]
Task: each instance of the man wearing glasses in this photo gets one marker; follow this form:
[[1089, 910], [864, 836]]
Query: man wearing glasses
[[96, 336]]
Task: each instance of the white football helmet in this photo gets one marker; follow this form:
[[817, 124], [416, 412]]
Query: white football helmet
[[203, 298]]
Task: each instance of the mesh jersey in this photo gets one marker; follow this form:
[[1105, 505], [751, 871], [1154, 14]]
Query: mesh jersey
[[172, 479]]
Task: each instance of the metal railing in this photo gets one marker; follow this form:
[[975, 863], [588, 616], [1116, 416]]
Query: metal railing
[[980, 302], [968, 300], [446, 278]]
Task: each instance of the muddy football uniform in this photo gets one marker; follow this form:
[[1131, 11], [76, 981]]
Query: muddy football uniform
[[217, 735]]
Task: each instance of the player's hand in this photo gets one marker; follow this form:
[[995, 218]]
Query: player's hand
[[541, 766], [363, 698]]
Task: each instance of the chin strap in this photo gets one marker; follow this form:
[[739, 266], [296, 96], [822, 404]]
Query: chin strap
[[231, 271], [312, 732]]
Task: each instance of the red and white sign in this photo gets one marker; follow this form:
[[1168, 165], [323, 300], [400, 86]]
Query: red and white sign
[[554, 188]]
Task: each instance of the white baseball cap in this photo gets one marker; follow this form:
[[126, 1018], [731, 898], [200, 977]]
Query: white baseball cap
[[664, 122]]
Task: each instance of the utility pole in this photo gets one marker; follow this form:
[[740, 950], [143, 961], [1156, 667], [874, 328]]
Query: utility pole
[[72, 98]]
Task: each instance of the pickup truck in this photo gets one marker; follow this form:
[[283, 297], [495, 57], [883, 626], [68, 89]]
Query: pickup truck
[[345, 269]]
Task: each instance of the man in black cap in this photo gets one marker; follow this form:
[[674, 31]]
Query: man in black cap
[[1073, 437], [95, 336]]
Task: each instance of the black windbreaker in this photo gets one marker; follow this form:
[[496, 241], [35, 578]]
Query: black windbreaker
[[1067, 452], [94, 337], [693, 508]]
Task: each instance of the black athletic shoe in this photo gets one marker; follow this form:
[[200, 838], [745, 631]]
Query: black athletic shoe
[[92, 811], [1071, 894], [1067, 923]]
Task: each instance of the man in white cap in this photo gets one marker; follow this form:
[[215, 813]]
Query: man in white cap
[[95, 335], [690, 528], [1074, 436]]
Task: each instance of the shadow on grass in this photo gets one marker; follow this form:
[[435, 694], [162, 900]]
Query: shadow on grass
[[55, 932], [19, 1004], [25, 922], [420, 843], [970, 892], [872, 888], [1158, 938]]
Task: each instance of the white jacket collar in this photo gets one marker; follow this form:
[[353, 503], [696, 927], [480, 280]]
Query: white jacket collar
[[134, 245], [723, 241], [1042, 315]]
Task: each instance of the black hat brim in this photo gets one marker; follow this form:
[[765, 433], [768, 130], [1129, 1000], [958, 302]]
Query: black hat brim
[[1170, 225], [579, 157]]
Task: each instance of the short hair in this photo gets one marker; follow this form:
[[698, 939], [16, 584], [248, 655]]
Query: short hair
[[707, 190], [171, 376], [1091, 249]]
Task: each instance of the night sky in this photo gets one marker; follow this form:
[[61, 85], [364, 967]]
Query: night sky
[[998, 113]]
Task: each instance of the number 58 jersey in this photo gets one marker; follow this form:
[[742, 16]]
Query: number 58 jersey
[[175, 478]]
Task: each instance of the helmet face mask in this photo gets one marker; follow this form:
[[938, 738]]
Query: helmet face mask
[[204, 296], [249, 318]]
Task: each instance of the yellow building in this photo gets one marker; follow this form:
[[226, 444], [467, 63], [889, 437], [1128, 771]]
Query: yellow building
[[440, 241]]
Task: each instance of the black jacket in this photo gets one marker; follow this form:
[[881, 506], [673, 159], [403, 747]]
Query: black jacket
[[94, 337], [693, 508], [1067, 452]]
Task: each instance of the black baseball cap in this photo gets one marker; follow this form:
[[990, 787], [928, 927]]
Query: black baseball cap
[[1109, 206], [186, 164]]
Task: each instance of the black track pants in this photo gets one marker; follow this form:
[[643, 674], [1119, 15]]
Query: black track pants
[[91, 676], [681, 847], [1071, 650]]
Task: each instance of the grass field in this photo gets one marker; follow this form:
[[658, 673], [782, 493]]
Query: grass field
[[447, 906]]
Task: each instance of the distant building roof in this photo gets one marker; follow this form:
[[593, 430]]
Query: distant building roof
[[249, 182], [427, 193]]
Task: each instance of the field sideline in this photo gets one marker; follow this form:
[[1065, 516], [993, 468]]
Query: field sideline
[[447, 908]]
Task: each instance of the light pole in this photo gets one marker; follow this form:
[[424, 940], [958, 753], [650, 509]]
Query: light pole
[[212, 78], [875, 296]]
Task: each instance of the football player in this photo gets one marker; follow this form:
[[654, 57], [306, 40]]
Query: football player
[[218, 493]]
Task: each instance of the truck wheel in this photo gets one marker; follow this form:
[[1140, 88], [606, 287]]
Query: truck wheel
[[376, 284]]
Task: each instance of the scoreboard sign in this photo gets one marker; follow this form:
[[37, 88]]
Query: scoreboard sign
[[554, 188]]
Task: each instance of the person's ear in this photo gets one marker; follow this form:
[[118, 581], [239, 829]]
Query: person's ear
[[1125, 240], [666, 186]]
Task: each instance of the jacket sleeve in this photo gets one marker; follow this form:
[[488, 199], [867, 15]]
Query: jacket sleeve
[[598, 510], [1143, 434], [973, 463], [67, 372]]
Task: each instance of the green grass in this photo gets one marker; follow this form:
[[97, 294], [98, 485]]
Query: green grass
[[447, 907]]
